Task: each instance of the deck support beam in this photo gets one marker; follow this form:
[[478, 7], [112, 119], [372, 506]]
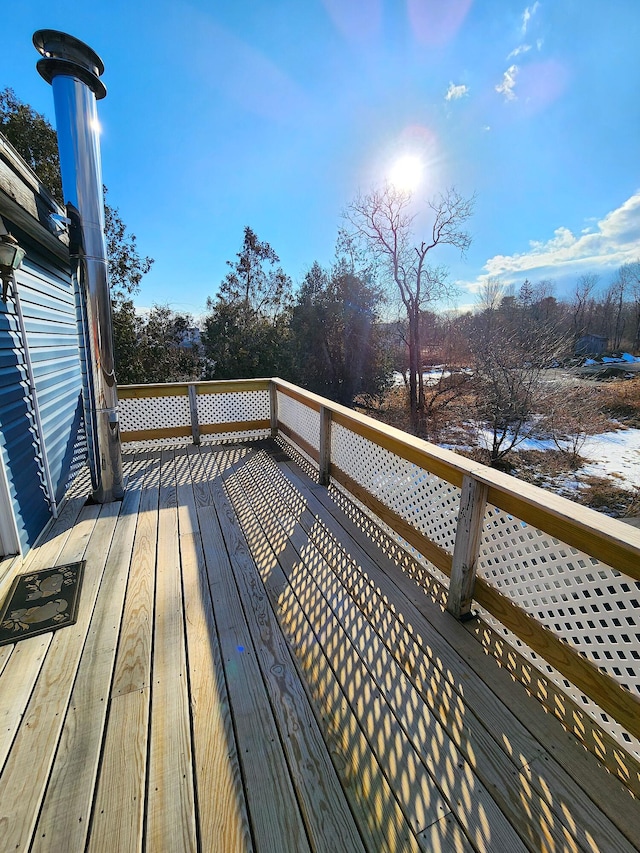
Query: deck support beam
[[193, 410], [273, 408], [324, 474], [473, 501]]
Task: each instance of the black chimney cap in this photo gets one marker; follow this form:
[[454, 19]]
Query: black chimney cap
[[67, 55]]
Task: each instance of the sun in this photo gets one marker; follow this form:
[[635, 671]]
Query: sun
[[406, 173]]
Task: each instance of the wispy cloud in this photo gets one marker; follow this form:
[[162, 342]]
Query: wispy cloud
[[528, 13], [508, 83], [518, 51], [454, 93]]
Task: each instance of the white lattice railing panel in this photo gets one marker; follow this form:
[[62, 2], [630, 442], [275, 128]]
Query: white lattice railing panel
[[581, 700], [589, 604], [139, 413], [233, 407], [428, 503], [302, 419]]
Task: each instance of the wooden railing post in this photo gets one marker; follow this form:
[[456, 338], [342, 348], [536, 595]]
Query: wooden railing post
[[193, 409], [325, 446], [473, 501], [273, 409]]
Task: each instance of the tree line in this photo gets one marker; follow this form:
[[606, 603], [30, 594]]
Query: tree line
[[496, 362], [326, 336], [332, 336]]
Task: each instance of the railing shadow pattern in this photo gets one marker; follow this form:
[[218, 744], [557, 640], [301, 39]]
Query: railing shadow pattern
[[411, 705]]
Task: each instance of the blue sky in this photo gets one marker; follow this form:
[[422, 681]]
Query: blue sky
[[275, 114]]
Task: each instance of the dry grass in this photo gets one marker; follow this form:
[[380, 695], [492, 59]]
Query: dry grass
[[391, 410], [543, 467], [554, 470], [621, 400], [603, 494]]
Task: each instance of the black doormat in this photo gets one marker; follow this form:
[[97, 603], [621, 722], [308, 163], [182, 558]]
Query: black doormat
[[42, 601]]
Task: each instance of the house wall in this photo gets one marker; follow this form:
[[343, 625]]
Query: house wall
[[591, 345], [49, 311]]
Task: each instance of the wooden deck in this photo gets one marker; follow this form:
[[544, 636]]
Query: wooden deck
[[249, 670]]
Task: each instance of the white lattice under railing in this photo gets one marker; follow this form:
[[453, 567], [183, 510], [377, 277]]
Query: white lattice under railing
[[561, 582], [192, 409]]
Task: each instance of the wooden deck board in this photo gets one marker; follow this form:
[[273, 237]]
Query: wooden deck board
[[50, 543], [5, 654], [372, 800], [7, 570], [224, 823], [405, 711], [276, 820], [22, 662], [171, 823], [118, 813], [249, 671], [21, 792], [329, 823], [64, 819], [16, 684]]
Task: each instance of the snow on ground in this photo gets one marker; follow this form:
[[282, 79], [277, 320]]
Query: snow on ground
[[430, 377], [623, 358], [614, 454]]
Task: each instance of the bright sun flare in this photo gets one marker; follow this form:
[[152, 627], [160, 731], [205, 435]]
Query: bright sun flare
[[406, 173]]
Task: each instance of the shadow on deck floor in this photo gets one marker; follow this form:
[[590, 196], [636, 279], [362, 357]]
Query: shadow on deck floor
[[251, 670]]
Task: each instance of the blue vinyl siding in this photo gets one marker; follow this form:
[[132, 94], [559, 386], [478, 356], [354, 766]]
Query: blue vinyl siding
[[48, 305], [49, 310], [30, 505]]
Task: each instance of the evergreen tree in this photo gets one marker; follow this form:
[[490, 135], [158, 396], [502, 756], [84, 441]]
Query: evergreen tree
[[336, 342], [245, 333], [34, 139]]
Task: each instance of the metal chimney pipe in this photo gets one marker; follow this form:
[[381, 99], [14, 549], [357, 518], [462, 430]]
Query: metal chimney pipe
[[74, 69]]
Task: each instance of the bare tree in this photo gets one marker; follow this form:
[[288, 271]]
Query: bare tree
[[614, 302], [383, 220], [583, 303], [490, 294], [572, 412], [510, 350], [629, 278]]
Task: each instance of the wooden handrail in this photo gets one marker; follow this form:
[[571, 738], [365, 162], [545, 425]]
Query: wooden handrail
[[614, 543], [178, 389]]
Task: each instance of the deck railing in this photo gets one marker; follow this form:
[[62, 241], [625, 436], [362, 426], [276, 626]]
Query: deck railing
[[562, 578]]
